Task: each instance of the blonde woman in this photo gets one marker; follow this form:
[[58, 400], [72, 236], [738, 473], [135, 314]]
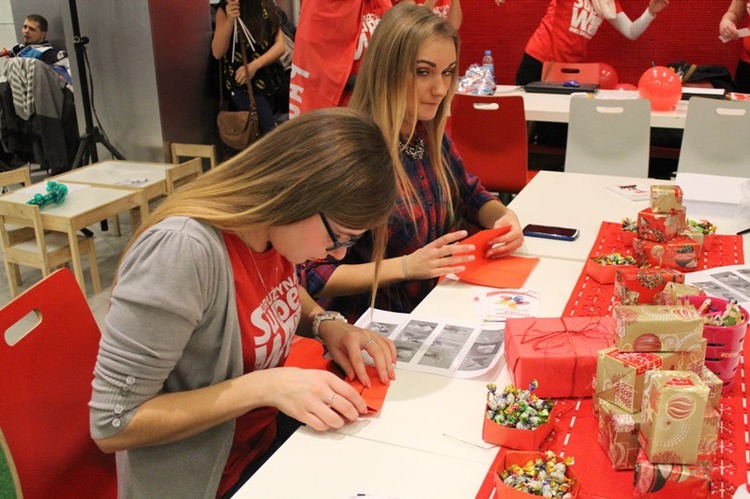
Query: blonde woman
[[406, 84], [189, 382]]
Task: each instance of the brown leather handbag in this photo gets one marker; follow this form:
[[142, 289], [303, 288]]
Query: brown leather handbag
[[238, 129]]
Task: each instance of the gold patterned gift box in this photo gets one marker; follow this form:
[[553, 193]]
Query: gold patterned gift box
[[657, 328], [675, 293], [665, 198], [714, 384], [620, 375], [618, 435], [674, 406]]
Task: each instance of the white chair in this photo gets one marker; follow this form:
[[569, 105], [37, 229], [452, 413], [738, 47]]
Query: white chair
[[609, 137], [717, 138]]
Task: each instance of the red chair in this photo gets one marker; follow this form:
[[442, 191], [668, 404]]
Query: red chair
[[45, 381], [582, 72], [490, 135]]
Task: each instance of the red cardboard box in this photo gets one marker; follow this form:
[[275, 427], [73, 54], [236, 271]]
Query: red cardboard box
[[560, 353], [604, 274], [669, 481], [521, 459], [681, 253], [636, 286], [660, 227], [515, 438]]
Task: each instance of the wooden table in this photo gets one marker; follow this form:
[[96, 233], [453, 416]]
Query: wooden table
[[148, 177], [556, 107], [85, 205]]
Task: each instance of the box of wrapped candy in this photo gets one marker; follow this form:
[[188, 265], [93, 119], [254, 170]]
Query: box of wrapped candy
[[657, 328], [681, 253], [618, 434], [559, 352], [602, 268], [669, 481], [517, 419], [674, 406], [520, 475], [640, 286]]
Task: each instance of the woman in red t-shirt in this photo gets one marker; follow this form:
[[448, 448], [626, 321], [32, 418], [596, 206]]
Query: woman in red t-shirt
[[728, 31]]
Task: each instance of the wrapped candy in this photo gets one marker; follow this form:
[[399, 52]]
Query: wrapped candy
[[516, 408], [477, 81], [539, 474]]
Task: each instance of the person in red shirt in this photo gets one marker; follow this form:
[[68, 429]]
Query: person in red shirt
[[567, 27], [728, 31]]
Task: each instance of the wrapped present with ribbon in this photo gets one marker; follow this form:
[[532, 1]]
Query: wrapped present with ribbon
[[660, 227], [669, 481], [675, 293], [640, 286], [674, 405], [559, 352], [620, 376], [681, 253], [618, 435], [657, 328], [714, 384], [709, 440], [665, 198]]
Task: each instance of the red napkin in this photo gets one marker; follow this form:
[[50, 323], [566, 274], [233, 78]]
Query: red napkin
[[307, 353], [505, 272]]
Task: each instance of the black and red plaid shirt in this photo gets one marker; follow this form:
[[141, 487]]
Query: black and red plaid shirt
[[432, 222]]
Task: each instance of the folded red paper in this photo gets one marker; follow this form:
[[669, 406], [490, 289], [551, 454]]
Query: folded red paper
[[505, 272], [307, 353]]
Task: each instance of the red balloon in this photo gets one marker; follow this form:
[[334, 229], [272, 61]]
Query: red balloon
[[625, 86], [607, 76], [661, 86]]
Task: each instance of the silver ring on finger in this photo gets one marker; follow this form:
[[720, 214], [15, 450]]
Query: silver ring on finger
[[368, 343], [329, 402]]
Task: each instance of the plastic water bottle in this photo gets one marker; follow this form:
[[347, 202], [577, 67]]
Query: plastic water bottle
[[488, 62]]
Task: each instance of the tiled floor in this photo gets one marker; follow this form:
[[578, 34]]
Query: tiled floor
[[108, 250]]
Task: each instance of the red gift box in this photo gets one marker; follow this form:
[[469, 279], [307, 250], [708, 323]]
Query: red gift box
[[560, 353], [681, 253], [521, 459], [636, 286], [669, 481], [660, 227], [516, 438]]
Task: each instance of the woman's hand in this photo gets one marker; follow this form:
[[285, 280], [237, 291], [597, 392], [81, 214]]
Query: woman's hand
[[656, 6], [439, 258], [508, 242], [244, 73], [319, 399], [233, 9], [346, 343], [728, 29]]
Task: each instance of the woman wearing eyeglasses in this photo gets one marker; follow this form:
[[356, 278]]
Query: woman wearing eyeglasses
[[190, 380], [406, 84]]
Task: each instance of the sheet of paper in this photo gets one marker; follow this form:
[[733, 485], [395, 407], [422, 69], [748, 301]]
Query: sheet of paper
[[505, 272], [732, 281], [743, 32]]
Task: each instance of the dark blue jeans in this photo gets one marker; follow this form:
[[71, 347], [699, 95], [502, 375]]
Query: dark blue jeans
[[263, 104]]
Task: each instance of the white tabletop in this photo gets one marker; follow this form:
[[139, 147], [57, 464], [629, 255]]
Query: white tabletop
[[120, 173], [582, 201], [556, 107]]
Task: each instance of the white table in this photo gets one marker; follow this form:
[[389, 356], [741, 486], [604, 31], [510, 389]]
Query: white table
[[556, 107], [83, 206], [428, 423], [122, 174], [582, 201]]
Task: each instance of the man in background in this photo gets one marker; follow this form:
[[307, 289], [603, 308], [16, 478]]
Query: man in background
[[36, 46]]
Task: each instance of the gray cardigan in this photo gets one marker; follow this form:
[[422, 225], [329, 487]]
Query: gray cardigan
[[172, 326]]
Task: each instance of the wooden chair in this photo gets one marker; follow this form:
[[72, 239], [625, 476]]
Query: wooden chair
[[45, 251], [180, 150], [582, 72], [490, 135], [609, 137], [17, 233], [45, 379], [715, 141], [183, 173]]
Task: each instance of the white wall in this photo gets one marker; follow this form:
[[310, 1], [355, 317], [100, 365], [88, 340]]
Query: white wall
[[8, 36]]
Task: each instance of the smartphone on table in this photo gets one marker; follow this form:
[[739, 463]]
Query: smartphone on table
[[550, 232]]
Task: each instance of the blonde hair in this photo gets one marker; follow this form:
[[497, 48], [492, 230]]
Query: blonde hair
[[382, 88], [333, 161]]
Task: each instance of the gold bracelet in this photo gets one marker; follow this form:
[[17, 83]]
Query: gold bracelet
[[403, 267]]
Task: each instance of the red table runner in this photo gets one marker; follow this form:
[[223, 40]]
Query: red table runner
[[576, 430]]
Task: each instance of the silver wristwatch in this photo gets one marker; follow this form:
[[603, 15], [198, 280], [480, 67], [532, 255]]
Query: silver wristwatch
[[325, 316]]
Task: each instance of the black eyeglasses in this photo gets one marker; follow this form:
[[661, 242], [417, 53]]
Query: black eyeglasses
[[335, 239]]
